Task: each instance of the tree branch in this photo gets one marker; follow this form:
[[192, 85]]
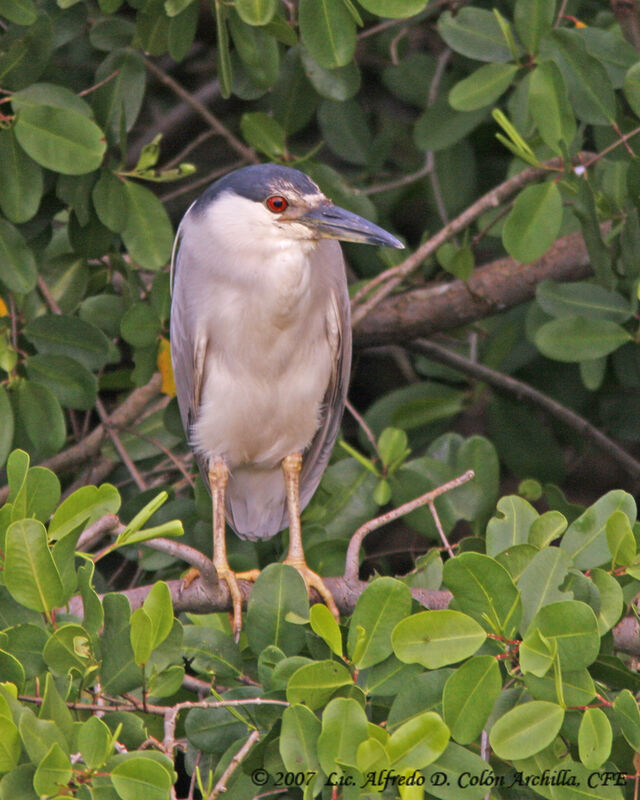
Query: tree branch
[[495, 287]]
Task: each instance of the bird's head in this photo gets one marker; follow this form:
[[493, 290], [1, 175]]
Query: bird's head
[[282, 203]]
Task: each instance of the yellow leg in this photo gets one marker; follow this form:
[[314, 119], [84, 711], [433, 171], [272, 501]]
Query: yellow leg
[[291, 466], [218, 477]]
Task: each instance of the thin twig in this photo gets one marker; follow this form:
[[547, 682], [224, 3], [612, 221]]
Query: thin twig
[[180, 157], [441, 533], [405, 180], [49, 298], [211, 120], [221, 785], [108, 524], [117, 443], [525, 392], [394, 276], [365, 428], [351, 561]]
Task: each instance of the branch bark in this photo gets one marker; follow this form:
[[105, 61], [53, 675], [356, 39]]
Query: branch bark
[[495, 287]]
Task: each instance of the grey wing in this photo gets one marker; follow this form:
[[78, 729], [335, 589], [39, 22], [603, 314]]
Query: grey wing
[[338, 331], [188, 347]]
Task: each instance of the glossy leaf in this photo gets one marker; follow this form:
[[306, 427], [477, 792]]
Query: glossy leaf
[[573, 339], [483, 87], [138, 778], [571, 626], [627, 715], [582, 299], [550, 106], [533, 19], [42, 417], [475, 33], [380, 607], [483, 589], [418, 742], [6, 425], [148, 235], [469, 695], [533, 223], [278, 591], [22, 12], [59, 334], [31, 576], [586, 537], [22, 182], [526, 729], [620, 540], [17, 263], [299, 739], [594, 738], [512, 527], [60, 139], [632, 88], [436, 638], [70, 382], [394, 8], [264, 133], [328, 32], [313, 684], [53, 772], [256, 12], [589, 86], [539, 583], [344, 727], [324, 625]]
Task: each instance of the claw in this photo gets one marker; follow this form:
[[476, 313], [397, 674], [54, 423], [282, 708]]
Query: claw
[[313, 581]]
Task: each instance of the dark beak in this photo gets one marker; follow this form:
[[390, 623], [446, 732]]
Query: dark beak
[[333, 222]]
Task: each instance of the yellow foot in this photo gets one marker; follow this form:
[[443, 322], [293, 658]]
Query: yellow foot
[[231, 578], [314, 581]]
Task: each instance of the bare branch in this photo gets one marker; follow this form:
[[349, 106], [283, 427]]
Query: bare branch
[[525, 392], [351, 561], [490, 289], [221, 785]]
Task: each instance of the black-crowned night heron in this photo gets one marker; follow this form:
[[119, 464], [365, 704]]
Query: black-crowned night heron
[[261, 350]]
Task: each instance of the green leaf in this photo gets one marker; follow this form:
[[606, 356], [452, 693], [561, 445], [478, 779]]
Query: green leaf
[[256, 12], [119, 671], [573, 627], [533, 19], [59, 334], [344, 727], [627, 715], [572, 338], [585, 210], [458, 772], [140, 325], [526, 729], [394, 8], [157, 605], [440, 126], [380, 607], [547, 527], [6, 425], [299, 739], [24, 57], [631, 88], [328, 32], [94, 742], [469, 695], [182, 32], [41, 415], [578, 688], [258, 51], [550, 107], [340, 83], [313, 684], [17, 263], [582, 299], [22, 181], [620, 540], [141, 779], [589, 86], [84, 506], [264, 133], [517, 517], [30, 573], [475, 33], [53, 772], [540, 580], [324, 625], [483, 589], [483, 87], [141, 634], [148, 235], [60, 139], [278, 590], [345, 130], [418, 742], [71, 383], [611, 600], [9, 745], [436, 638], [117, 102], [22, 12], [586, 537], [109, 198], [594, 738], [533, 223]]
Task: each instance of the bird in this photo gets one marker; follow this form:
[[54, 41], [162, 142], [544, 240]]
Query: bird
[[261, 351]]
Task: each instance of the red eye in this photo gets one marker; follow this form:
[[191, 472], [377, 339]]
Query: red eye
[[277, 203]]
